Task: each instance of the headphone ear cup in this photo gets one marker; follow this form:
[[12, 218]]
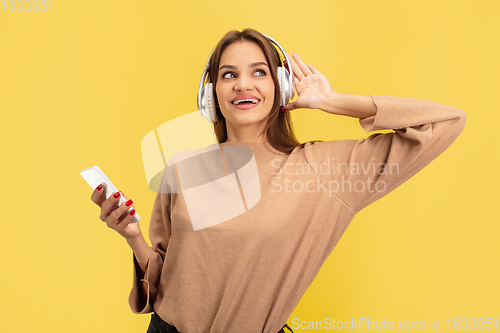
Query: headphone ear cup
[[280, 82], [207, 107], [283, 78], [212, 111]]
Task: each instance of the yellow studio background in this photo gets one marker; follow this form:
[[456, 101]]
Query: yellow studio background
[[82, 84]]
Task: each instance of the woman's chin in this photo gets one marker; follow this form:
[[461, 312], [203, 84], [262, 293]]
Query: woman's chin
[[246, 120], [246, 116]]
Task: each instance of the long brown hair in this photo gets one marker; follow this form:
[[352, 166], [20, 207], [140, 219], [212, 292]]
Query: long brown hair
[[279, 126]]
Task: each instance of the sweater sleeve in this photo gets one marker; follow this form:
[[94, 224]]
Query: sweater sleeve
[[363, 171], [159, 234]]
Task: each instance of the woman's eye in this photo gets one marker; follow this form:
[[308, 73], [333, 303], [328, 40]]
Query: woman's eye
[[227, 75], [231, 75]]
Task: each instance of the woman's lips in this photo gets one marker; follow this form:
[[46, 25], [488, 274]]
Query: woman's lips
[[245, 106]]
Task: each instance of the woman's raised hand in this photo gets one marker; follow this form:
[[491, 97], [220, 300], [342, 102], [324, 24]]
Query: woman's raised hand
[[312, 87], [116, 217]]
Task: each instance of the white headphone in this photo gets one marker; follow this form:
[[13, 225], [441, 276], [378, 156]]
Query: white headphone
[[206, 92]]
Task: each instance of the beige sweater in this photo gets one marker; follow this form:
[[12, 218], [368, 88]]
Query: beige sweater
[[242, 257]]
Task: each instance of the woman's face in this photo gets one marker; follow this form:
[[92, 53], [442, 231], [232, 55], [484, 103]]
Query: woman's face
[[244, 75]]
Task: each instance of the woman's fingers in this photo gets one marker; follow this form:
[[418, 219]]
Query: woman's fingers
[[120, 213], [313, 69], [300, 69], [109, 205], [99, 195], [291, 106], [305, 70], [295, 81], [297, 72]]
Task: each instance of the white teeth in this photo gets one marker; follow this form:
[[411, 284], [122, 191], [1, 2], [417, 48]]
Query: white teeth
[[254, 101]]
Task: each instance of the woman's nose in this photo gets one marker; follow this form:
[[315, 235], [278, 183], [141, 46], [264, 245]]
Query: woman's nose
[[243, 83]]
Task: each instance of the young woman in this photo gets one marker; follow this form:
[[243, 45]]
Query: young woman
[[247, 271]]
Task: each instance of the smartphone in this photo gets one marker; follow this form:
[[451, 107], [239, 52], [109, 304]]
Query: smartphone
[[94, 176]]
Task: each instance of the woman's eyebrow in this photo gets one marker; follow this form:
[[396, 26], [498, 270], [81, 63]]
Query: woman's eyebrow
[[255, 64]]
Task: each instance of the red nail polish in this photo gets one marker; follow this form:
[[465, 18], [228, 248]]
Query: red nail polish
[[283, 110], [132, 212], [99, 187], [128, 203], [117, 195]]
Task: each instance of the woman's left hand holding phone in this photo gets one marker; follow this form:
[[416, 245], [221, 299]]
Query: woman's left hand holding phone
[[116, 217]]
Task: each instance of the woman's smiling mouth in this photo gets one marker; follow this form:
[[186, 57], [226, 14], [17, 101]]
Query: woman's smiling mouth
[[246, 105], [249, 100], [245, 102]]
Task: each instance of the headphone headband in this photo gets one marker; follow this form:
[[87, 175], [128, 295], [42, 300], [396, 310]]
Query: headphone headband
[[287, 63]]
